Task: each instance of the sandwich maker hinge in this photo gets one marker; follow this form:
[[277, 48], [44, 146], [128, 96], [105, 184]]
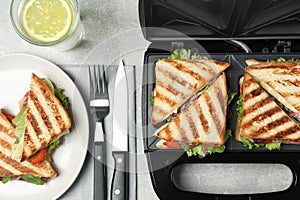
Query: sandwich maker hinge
[[284, 45]]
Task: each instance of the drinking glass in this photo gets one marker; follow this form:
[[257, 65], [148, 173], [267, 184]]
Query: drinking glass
[[69, 39]]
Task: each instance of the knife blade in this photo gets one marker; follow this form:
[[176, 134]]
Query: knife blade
[[120, 135]]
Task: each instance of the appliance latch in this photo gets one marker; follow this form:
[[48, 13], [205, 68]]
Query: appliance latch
[[176, 45], [284, 45]]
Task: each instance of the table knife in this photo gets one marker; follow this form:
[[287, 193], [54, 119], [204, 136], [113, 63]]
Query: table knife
[[120, 136]]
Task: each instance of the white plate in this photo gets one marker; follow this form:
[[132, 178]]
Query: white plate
[[15, 73]]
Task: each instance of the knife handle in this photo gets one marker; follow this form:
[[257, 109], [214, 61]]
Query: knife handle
[[119, 182], [99, 171]]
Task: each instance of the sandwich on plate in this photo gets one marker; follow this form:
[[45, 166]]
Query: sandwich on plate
[[268, 107], [11, 169], [201, 127], [43, 119], [178, 79]]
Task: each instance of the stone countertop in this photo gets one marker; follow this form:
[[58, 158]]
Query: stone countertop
[[102, 20]]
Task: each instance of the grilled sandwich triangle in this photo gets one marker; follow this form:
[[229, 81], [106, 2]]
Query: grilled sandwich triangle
[[281, 80], [203, 122], [46, 120], [13, 168], [179, 80], [262, 118]]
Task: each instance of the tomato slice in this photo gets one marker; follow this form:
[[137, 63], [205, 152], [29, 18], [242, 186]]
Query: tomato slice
[[172, 145], [267, 141], [25, 99], [39, 156], [9, 117]]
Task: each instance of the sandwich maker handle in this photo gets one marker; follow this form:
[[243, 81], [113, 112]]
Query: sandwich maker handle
[[165, 188], [100, 189]]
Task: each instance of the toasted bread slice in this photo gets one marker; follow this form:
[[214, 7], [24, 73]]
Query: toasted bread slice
[[204, 121], [281, 80], [12, 168], [254, 62], [46, 119], [179, 80], [263, 118]]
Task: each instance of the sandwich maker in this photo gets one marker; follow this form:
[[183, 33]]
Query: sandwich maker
[[225, 30]]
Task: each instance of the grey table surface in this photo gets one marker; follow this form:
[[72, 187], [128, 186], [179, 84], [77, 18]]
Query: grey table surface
[[111, 32]]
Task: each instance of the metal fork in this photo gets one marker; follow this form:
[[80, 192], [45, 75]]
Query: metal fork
[[99, 106]]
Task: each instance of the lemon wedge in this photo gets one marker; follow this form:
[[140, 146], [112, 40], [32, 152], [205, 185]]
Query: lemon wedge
[[47, 20]]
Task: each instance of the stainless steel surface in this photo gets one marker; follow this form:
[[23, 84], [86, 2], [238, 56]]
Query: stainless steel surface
[[99, 102], [120, 111], [242, 45]]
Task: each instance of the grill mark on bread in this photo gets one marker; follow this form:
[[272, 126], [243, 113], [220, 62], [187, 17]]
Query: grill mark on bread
[[163, 98], [262, 116], [294, 82], [179, 127], [288, 131], [52, 105], [212, 111], [157, 109], [205, 67], [221, 100], [254, 93], [289, 94], [5, 172], [257, 105], [170, 88], [272, 125], [276, 65], [16, 164], [186, 70], [35, 124], [168, 135], [247, 80], [223, 64], [28, 145], [4, 144], [172, 76], [192, 125], [3, 129], [41, 110], [202, 118]]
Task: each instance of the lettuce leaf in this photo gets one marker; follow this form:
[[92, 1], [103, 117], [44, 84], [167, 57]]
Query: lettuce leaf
[[52, 146], [5, 179], [152, 98], [62, 98], [20, 122], [246, 142], [273, 146], [199, 149], [239, 107], [184, 54], [281, 59], [270, 146], [32, 179], [231, 96]]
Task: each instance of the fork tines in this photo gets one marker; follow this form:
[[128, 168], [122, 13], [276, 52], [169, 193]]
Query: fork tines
[[97, 80], [98, 84]]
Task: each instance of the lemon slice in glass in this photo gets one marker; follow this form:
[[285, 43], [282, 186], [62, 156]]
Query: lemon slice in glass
[[47, 20]]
